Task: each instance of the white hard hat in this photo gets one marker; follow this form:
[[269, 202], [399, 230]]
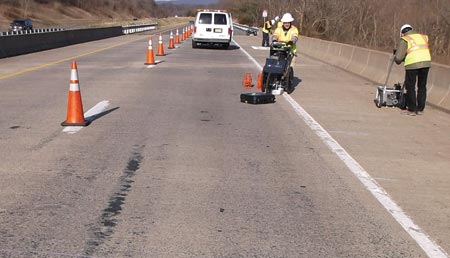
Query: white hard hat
[[405, 26], [273, 22], [287, 17], [277, 18]]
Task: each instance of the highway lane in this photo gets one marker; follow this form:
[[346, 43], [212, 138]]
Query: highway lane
[[178, 168], [406, 155]]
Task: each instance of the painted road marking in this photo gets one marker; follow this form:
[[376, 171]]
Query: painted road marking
[[260, 48], [67, 59], [90, 115], [432, 249], [62, 60]]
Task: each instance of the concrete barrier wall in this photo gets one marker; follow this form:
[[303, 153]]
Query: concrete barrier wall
[[28, 43], [373, 65]]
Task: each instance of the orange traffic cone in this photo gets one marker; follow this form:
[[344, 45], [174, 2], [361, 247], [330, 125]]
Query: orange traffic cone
[[247, 81], [259, 82], [177, 38], [183, 35], [171, 41], [160, 46], [150, 57], [75, 114]]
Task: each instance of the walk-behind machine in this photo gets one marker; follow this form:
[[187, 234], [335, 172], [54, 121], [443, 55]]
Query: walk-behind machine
[[277, 72], [277, 76], [390, 96]]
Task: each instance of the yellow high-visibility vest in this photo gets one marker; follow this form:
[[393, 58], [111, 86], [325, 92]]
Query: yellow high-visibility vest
[[268, 25], [418, 50], [283, 36], [279, 24]]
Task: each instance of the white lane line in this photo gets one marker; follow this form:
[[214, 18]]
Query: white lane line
[[89, 115], [432, 249]]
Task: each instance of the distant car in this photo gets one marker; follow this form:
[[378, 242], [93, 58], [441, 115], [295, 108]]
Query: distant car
[[21, 25], [252, 31]]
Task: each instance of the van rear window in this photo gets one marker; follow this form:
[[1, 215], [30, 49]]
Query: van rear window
[[220, 19], [205, 18]]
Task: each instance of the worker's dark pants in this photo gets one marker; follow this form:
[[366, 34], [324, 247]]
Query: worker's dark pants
[[265, 40], [412, 102]]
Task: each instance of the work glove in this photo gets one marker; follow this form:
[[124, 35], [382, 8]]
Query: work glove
[[394, 51], [290, 43]]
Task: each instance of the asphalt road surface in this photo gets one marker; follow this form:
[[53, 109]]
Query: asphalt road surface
[[174, 165]]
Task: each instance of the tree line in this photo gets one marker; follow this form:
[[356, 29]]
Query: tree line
[[138, 8], [365, 23]]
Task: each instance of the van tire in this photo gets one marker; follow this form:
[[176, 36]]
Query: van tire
[[194, 44]]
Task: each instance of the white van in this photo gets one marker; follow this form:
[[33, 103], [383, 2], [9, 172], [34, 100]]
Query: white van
[[212, 27]]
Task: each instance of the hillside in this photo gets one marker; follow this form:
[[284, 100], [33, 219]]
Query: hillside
[[58, 13]]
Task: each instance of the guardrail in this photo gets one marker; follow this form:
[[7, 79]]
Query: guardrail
[[127, 29], [23, 43], [25, 32], [130, 29], [246, 28]]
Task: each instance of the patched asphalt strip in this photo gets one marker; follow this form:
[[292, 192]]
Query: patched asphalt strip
[[105, 226]]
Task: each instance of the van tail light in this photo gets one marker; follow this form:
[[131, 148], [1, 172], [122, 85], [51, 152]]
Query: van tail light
[[230, 31], [195, 29]]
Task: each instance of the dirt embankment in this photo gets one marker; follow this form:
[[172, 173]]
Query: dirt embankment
[[69, 17]]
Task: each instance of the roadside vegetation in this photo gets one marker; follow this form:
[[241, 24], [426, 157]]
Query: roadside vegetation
[[77, 13]]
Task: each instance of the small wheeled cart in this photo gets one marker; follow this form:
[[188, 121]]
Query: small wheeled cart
[[390, 96]]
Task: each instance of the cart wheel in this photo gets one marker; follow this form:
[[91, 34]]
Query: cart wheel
[[264, 79], [290, 76], [268, 82], [379, 100]]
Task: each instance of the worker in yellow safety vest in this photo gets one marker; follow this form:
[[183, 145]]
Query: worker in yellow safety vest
[[414, 51], [278, 22], [288, 33], [266, 30]]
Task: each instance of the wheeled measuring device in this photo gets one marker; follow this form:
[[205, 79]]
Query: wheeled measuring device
[[390, 96], [277, 74]]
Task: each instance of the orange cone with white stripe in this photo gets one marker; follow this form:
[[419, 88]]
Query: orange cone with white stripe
[[171, 41], [160, 46], [183, 34], [177, 38], [75, 114], [150, 56]]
